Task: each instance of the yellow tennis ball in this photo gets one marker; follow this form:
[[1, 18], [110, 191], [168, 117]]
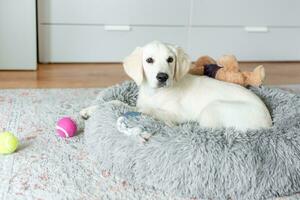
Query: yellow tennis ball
[[8, 143]]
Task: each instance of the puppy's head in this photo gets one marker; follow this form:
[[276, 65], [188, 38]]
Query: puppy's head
[[157, 64]]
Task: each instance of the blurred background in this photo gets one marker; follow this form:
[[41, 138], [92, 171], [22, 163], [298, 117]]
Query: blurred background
[[81, 43]]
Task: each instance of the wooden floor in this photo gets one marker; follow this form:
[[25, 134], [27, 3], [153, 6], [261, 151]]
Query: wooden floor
[[102, 75]]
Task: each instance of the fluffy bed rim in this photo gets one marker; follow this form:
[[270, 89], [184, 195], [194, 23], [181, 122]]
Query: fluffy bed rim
[[191, 161]]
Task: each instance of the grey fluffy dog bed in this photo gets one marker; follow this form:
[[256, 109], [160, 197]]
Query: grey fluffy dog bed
[[190, 161]]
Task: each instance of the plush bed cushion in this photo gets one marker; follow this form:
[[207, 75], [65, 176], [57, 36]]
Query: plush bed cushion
[[192, 161]]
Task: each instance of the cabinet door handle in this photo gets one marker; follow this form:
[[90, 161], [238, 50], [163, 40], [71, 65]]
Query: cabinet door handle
[[256, 29], [117, 28]]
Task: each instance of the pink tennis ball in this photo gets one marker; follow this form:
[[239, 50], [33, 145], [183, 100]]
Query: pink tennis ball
[[66, 127]]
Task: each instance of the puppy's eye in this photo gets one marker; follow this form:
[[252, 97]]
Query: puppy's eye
[[170, 59], [150, 60]]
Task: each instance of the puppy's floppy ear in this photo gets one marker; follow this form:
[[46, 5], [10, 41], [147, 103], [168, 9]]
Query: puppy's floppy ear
[[183, 63], [133, 65]]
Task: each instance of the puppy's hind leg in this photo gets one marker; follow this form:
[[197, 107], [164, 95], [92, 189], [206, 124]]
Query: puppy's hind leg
[[87, 112]]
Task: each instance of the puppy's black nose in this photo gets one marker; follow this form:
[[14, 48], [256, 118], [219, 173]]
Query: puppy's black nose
[[162, 77]]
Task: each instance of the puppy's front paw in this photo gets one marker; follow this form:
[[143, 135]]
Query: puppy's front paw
[[87, 112], [125, 126], [84, 114]]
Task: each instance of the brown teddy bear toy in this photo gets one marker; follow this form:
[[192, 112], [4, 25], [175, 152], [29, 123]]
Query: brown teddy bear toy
[[227, 69]]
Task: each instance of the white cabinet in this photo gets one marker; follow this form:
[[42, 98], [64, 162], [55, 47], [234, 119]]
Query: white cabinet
[[246, 13], [267, 30], [114, 12], [73, 43], [18, 34], [269, 45], [107, 30]]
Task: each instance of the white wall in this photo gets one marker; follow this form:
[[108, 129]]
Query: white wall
[[18, 34]]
